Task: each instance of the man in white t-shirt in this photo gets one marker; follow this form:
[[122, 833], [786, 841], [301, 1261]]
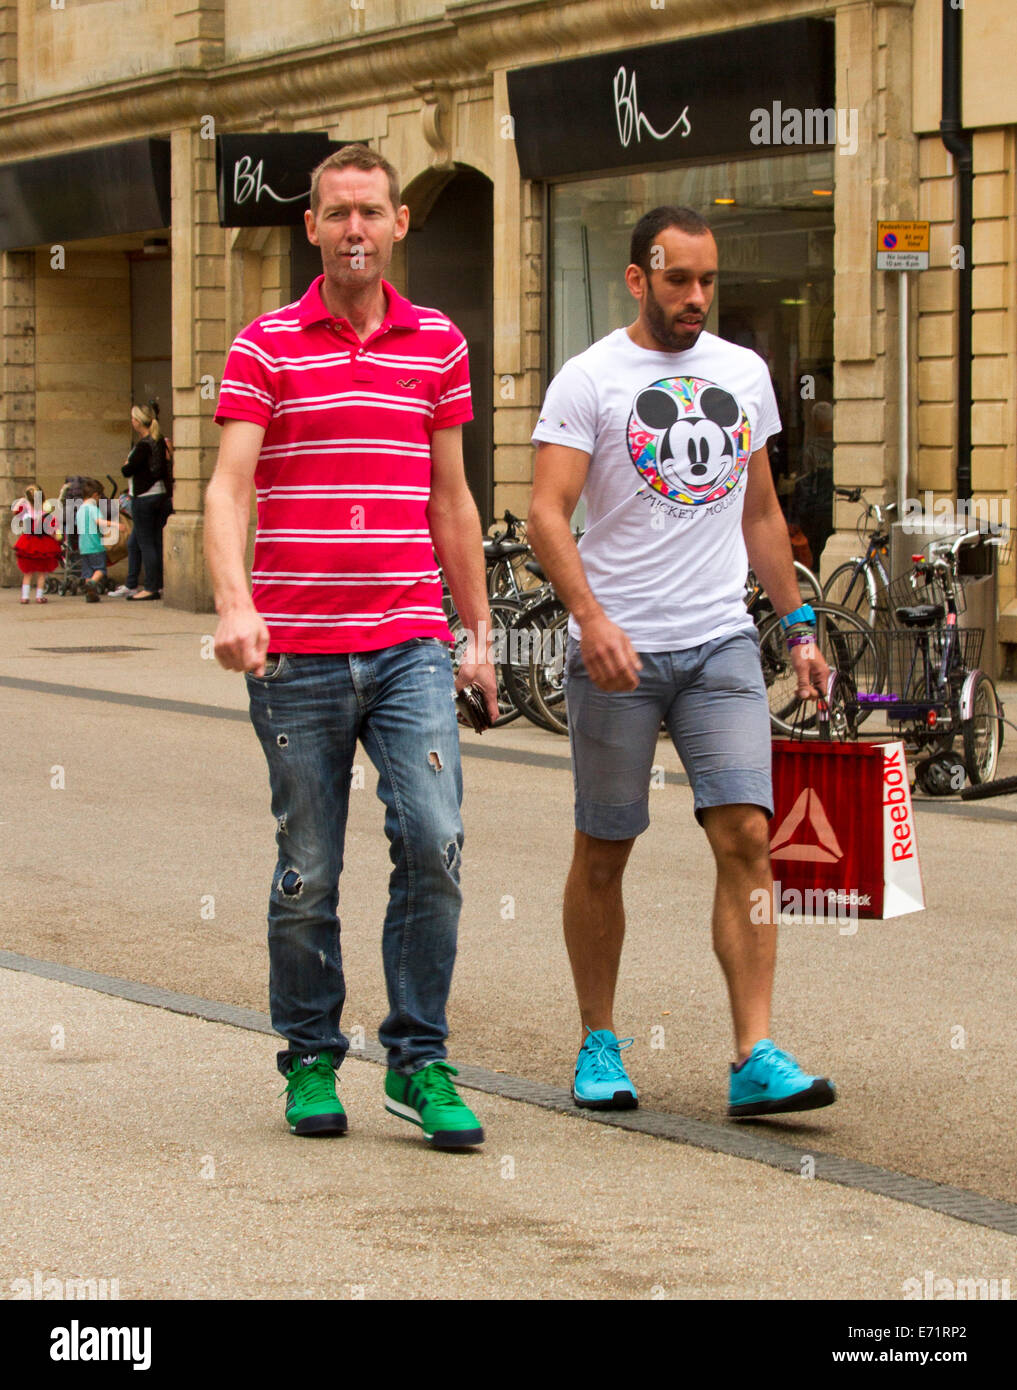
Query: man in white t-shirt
[[661, 427]]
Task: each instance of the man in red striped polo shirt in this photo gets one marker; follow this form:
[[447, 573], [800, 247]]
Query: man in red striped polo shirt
[[345, 410]]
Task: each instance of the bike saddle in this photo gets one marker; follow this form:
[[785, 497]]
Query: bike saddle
[[921, 614], [503, 550], [535, 567]]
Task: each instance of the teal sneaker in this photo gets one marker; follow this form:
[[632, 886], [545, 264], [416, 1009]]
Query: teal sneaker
[[601, 1082], [429, 1099], [771, 1082], [312, 1106]]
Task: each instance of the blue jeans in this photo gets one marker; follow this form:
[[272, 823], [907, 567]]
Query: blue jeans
[[309, 711], [149, 515], [93, 563]]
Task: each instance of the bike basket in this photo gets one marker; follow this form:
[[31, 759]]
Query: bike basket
[[925, 589], [911, 661]]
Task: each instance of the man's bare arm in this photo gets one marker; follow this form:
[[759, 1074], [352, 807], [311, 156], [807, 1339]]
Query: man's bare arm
[[558, 479], [458, 542], [769, 550], [241, 638]]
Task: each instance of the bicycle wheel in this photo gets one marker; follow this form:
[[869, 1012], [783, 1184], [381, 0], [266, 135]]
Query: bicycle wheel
[[1003, 787], [847, 586], [501, 581], [547, 673], [848, 646], [842, 702], [808, 585], [503, 614], [524, 638], [981, 732]]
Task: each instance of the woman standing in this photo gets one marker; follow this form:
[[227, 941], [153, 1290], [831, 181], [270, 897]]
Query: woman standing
[[37, 548], [147, 470]]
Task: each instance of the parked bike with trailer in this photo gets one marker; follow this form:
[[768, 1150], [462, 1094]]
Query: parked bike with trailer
[[931, 691]]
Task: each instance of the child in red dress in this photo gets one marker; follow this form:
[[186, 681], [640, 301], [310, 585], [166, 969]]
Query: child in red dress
[[37, 549]]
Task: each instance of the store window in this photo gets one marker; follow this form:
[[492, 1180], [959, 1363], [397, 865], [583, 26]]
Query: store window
[[773, 220]]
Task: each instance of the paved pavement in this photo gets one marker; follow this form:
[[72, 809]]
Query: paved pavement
[[151, 863]]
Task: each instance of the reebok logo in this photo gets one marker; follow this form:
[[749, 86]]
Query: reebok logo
[[822, 847], [896, 798]]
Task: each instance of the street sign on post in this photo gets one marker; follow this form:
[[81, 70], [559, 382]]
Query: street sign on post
[[902, 245]]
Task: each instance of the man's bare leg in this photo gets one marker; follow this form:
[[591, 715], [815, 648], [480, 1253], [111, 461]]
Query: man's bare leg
[[740, 839], [595, 925]]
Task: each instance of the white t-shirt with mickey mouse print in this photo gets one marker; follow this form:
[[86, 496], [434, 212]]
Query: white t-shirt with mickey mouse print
[[669, 436]]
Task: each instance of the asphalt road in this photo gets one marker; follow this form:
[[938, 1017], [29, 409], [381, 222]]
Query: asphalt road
[[153, 858]]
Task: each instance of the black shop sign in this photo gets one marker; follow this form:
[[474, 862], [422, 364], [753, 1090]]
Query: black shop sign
[[264, 180], [104, 190], [690, 99]]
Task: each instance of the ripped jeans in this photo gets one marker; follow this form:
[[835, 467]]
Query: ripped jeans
[[309, 711]]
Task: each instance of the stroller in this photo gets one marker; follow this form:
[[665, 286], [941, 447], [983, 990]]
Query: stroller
[[67, 579]]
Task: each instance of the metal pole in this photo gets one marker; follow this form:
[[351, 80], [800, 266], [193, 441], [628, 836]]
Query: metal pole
[[902, 423]]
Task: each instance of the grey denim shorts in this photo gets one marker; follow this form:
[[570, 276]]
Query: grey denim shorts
[[713, 701]]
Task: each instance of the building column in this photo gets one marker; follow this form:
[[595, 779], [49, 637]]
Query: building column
[[994, 295], [936, 466], [518, 295], [879, 181], [17, 391], [8, 52], [199, 28], [199, 354]]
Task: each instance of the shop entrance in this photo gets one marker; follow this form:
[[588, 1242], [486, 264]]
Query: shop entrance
[[151, 331], [102, 344], [450, 267]]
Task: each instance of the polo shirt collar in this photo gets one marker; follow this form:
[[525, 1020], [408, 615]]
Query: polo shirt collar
[[399, 314]]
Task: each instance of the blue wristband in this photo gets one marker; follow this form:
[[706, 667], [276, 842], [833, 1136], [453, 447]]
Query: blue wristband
[[800, 615]]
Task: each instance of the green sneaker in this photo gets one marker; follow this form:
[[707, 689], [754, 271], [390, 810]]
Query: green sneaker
[[312, 1106], [428, 1099]]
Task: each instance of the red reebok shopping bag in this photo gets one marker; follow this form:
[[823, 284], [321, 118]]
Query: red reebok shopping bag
[[842, 838]]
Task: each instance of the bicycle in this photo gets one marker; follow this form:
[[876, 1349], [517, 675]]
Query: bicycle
[[503, 554], [547, 659], [934, 688], [506, 553], [759, 605], [548, 640], [535, 672], [863, 582], [849, 646], [546, 676], [504, 614]]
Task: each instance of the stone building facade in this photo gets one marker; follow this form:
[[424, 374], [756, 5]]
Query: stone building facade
[[100, 310]]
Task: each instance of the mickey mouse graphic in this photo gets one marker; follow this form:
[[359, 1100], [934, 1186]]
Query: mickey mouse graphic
[[689, 439]]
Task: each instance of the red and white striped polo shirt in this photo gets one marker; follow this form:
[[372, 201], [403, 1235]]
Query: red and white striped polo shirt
[[343, 557]]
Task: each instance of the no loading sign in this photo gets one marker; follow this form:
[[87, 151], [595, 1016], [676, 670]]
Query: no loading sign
[[902, 245]]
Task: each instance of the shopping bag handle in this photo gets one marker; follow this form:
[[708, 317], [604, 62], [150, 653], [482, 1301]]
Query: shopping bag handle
[[824, 728]]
